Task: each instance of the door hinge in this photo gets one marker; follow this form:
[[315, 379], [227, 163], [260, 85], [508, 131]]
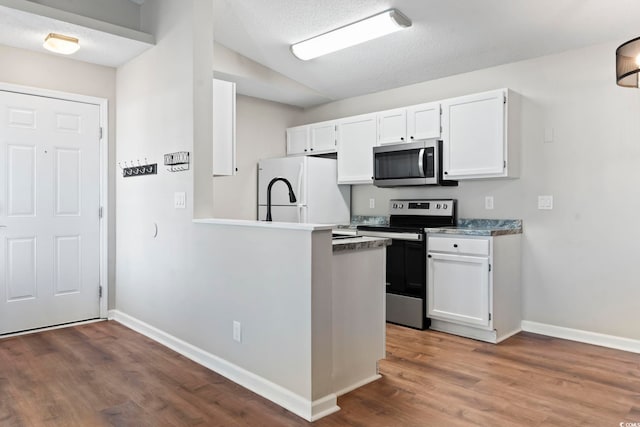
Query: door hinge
[[504, 164], [504, 99], [489, 267], [489, 316], [100, 291], [100, 212], [100, 132]]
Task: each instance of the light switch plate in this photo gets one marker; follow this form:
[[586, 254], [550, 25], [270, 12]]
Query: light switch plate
[[545, 202], [372, 203], [180, 200]]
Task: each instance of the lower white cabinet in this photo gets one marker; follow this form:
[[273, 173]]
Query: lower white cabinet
[[473, 285]]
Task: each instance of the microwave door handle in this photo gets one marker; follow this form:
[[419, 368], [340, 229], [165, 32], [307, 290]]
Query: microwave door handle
[[421, 163]]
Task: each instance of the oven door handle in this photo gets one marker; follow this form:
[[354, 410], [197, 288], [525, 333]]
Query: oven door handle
[[414, 237], [421, 163]]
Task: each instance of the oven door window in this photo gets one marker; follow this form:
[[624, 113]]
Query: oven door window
[[400, 164], [406, 273]]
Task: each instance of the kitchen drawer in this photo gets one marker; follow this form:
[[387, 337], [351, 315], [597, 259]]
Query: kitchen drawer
[[459, 245]]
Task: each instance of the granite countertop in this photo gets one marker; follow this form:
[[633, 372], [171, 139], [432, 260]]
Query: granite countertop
[[482, 227], [359, 242]]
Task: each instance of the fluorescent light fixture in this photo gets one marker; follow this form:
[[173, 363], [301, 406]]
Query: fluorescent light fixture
[[59, 43], [367, 29]]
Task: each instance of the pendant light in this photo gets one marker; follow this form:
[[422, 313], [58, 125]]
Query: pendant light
[[628, 63], [60, 43]]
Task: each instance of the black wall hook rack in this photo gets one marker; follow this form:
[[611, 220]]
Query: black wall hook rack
[[139, 170]]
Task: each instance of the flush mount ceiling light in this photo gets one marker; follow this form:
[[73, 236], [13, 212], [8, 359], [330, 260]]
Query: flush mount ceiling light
[[367, 29], [628, 63], [59, 43]]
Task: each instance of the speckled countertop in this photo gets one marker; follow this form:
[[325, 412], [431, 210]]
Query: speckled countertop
[[482, 227], [465, 226], [359, 242]]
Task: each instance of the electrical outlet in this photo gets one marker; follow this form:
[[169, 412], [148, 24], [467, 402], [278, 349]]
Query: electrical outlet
[[180, 200], [545, 202], [488, 202], [237, 331], [372, 203]]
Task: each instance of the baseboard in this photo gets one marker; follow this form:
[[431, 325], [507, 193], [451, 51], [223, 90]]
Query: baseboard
[[307, 409], [603, 340], [358, 385]]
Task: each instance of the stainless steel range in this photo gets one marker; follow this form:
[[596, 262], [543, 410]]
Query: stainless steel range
[[407, 255]]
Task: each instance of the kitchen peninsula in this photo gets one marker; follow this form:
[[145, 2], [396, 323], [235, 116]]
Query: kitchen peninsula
[[311, 313]]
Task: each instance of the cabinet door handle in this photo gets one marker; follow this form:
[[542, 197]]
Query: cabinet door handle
[[455, 245], [428, 256], [402, 138], [412, 137]]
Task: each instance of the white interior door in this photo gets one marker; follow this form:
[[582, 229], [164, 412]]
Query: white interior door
[[49, 207]]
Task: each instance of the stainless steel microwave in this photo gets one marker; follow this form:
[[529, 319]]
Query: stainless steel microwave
[[414, 163]]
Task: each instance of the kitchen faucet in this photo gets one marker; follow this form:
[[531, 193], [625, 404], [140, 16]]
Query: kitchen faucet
[[292, 196]]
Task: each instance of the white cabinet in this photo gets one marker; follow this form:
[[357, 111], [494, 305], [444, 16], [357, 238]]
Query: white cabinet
[[423, 121], [323, 138], [477, 139], [459, 288], [316, 138], [473, 285], [356, 138], [409, 124], [224, 128], [298, 140], [392, 126]]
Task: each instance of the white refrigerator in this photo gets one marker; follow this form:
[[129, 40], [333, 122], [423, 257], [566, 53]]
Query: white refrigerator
[[319, 199]]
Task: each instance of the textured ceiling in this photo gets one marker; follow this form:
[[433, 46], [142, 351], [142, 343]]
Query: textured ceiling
[[446, 38]]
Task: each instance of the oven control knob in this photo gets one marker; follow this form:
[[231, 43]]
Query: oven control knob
[[395, 205], [444, 206], [401, 205], [438, 206]]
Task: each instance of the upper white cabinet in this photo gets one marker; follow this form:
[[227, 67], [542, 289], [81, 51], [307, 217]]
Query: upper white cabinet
[[356, 138], [478, 141], [392, 126], [317, 138], [298, 140], [224, 128], [409, 124], [323, 138], [423, 121], [479, 133]]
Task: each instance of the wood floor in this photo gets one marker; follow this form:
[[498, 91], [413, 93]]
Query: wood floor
[[104, 374]]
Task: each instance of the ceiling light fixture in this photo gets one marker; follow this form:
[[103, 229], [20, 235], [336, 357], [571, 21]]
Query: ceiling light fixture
[[628, 63], [59, 43], [367, 29]]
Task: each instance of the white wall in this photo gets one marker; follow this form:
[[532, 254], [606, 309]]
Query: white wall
[[192, 281], [580, 267], [27, 68], [260, 134]]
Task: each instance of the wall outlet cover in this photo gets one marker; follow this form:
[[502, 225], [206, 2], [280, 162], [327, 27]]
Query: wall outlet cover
[[488, 202], [545, 202], [237, 331]]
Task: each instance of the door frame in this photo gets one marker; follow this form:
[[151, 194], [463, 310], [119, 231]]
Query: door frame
[[103, 103]]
